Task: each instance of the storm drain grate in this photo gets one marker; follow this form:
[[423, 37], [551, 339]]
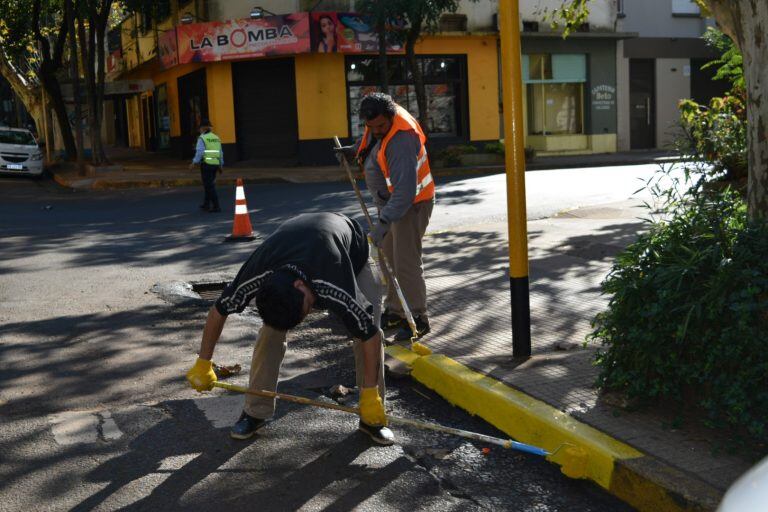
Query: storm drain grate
[[209, 291]]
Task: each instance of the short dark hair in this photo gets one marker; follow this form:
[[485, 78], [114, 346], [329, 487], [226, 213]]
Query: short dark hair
[[377, 104], [280, 304]]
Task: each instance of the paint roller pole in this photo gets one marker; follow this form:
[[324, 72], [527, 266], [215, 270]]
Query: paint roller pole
[[388, 269], [424, 425], [514, 160]]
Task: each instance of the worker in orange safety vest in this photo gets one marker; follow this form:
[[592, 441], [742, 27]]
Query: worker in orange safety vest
[[394, 158]]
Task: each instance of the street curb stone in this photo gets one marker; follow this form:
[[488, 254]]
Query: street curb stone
[[640, 480]]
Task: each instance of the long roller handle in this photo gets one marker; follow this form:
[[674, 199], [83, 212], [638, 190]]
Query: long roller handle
[[387, 267], [424, 425]]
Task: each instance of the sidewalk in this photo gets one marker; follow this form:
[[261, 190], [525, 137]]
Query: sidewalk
[[635, 455], [138, 169]]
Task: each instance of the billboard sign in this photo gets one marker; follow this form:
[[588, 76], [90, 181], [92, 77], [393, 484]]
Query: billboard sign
[[347, 32], [243, 39], [167, 48]]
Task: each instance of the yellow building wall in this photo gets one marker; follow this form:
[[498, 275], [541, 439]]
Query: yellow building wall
[[135, 136], [482, 78], [321, 96], [221, 100]]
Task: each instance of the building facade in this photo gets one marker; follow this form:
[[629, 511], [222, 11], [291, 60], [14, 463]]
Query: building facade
[[278, 82], [659, 68], [570, 95], [12, 111]]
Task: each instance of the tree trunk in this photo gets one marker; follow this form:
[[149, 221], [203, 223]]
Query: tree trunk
[[101, 29], [745, 21], [50, 64], [381, 28], [85, 38], [69, 7], [56, 100], [29, 96], [754, 48], [418, 77]]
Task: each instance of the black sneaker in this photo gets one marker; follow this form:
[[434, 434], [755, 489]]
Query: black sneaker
[[422, 328], [204, 207], [246, 426], [391, 320], [380, 435], [215, 209]]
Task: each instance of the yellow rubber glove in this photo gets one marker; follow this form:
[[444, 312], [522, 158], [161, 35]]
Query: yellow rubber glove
[[201, 376], [371, 407]]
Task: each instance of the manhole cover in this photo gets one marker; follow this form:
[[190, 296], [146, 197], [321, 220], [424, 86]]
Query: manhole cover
[[209, 291]]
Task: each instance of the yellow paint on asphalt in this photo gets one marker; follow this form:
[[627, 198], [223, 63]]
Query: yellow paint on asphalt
[[588, 453]]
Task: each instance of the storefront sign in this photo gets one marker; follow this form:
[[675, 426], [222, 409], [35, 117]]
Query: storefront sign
[[167, 48], [603, 97], [243, 39], [346, 32]]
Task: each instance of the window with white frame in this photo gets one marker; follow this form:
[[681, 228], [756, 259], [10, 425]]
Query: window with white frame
[[685, 7], [555, 93]]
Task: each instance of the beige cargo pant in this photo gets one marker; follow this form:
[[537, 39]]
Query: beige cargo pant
[[402, 248], [269, 351]]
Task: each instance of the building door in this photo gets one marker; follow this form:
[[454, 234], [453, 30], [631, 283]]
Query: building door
[[265, 111], [642, 121], [121, 121], [193, 108]]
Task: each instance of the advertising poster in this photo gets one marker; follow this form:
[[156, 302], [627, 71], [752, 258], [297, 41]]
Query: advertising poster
[[167, 49], [346, 32], [243, 39]]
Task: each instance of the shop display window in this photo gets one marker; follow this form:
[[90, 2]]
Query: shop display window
[[555, 93], [445, 80]]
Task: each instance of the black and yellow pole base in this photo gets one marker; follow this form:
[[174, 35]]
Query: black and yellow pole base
[[514, 160], [521, 316]]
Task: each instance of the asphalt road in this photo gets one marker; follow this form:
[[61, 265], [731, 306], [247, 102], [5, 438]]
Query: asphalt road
[[95, 412]]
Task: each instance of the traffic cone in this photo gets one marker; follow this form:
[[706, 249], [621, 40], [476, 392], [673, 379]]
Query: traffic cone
[[241, 227]]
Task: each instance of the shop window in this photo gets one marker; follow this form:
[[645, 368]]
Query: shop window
[[445, 80], [555, 93]]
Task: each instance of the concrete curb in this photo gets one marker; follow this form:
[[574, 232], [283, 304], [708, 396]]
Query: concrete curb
[[641, 481], [106, 184]]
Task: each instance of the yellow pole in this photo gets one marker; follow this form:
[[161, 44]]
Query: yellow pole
[[514, 160]]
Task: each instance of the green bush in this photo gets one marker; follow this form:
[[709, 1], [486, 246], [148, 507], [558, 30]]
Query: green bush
[[687, 319], [451, 155], [716, 134], [496, 148]]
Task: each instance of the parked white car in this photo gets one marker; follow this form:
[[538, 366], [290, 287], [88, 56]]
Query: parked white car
[[20, 153], [750, 492]]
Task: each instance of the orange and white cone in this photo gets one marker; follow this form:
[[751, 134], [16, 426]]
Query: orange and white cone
[[241, 228]]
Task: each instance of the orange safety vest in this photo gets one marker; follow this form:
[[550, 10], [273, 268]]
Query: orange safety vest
[[402, 120]]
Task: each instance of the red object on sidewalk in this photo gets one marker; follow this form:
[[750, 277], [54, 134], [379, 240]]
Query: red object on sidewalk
[[241, 227]]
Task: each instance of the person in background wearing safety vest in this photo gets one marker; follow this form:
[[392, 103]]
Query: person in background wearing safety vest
[[394, 158], [210, 156]]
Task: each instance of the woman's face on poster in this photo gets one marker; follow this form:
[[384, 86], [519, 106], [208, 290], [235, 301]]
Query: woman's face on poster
[[327, 27]]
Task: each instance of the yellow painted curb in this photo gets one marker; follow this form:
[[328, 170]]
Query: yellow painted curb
[[588, 452]]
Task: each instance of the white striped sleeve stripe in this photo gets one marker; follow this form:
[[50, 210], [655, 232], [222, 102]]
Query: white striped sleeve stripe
[[243, 293]]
